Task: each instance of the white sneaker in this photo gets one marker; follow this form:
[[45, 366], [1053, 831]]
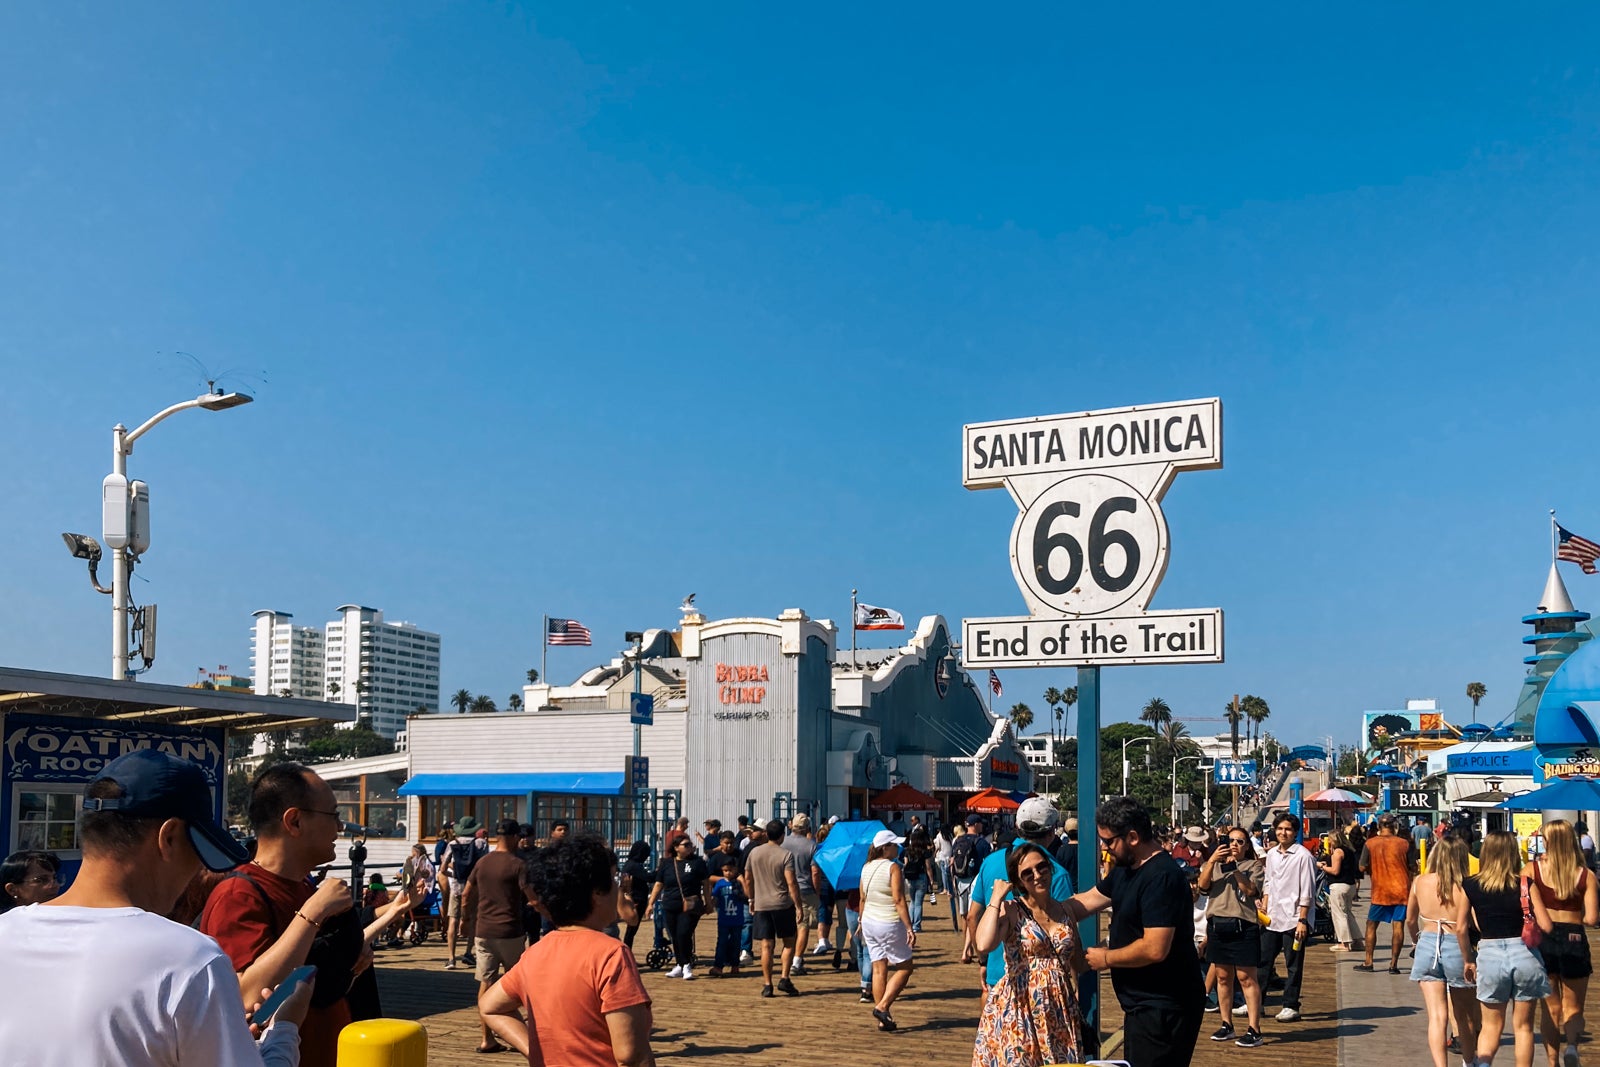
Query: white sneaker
[[822, 947], [745, 957], [676, 972], [1243, 1009], [688, 974], [798, 966], [1287, 1015]]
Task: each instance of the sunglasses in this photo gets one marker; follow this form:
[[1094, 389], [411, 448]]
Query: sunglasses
[[1039, 872], [1107, 841]]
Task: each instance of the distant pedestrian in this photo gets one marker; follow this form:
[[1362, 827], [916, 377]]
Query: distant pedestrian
[[680, 830], [828, 899], [496, 891], [681, 886], [1231, 880], [1150, 951], [463, 852], [1340, 868], [798, 843], [727, 898], [917, 865], [1509, 974], [774, 893], [637, 878], [1391, 860], [29, 877], [886, 925], [1564, 901], [967, 854], [1289, 897]]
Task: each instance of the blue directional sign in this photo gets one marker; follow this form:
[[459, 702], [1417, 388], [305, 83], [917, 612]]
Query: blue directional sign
[[1236, 772], [638, 768], [641, 709]]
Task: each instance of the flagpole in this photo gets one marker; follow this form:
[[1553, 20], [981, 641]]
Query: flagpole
[[852, 629], [1553, 537], [544, 650]]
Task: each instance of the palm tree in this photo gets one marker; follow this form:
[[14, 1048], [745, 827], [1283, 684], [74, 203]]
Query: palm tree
[[462, 700], [1156, 713], [1234, 715], [1021, 717], [1256, 710], [533, 676], [482, 705], [1174, 734], [333, 690], [514, 701], [1476, 692]]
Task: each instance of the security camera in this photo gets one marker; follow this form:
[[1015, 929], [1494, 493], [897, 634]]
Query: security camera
[[82, 546]]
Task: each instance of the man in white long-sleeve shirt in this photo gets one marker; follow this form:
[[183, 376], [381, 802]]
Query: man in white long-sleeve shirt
[[97, 975], [1290, 900]]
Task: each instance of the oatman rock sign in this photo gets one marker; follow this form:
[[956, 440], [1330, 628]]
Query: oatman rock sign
[[1088, 550]]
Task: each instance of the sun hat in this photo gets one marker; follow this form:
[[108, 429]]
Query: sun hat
[[158, 786], [1195, 835], [466, 826]]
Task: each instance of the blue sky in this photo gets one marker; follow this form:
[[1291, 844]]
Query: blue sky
[[578, 312]]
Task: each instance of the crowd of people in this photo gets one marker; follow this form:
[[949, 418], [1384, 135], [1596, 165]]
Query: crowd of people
[[173, 933]]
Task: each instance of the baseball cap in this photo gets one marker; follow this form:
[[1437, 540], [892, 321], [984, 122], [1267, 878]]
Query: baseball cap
[[832, 819], [1070, 826], [158, 786], [974, 820], [800, 822], [508, 828], [1036, 815], [886, 837]]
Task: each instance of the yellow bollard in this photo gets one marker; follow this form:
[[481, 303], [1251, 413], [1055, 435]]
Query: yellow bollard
[[383, 1043]]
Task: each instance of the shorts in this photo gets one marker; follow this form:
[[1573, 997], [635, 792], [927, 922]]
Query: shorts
[[455, 898], [1565, 951], [496, 954], [963, 893], [1386, 913], [1233, 943], [1439, 960], [886, 941], [810, 909], [776, 925], [1508, 970]]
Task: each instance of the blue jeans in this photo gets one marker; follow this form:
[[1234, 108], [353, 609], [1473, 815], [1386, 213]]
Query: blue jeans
[[728, 946], [916, 889], [858, 945]]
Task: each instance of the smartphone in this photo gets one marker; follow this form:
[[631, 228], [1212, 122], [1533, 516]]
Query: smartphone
[[292, 981]]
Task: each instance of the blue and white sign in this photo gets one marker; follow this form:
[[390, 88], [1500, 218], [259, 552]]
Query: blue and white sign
[[641, 709], [1236, 772], [1486, 761]]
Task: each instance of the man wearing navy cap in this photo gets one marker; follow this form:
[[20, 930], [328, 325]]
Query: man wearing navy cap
[[97, 975]]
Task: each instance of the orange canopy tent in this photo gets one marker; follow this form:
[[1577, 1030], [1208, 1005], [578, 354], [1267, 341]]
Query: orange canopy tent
[[903, 798], [990, 802]]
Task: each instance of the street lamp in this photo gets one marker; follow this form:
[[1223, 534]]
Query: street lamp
[[125, 513], [1125, 744], [1177, 759]]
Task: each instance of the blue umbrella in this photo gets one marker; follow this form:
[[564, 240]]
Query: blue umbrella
[[1569, 794], [844, 853]]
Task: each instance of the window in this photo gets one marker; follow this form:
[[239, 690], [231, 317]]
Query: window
[[438, 812], [48, 819]]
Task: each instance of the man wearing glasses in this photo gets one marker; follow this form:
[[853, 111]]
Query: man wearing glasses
[[267, 914], [1150, 952]]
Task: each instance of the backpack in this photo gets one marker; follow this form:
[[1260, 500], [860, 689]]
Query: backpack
[[463, 857], [964, 859]]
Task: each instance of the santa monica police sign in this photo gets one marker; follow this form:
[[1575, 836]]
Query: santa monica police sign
[[1090, 544]]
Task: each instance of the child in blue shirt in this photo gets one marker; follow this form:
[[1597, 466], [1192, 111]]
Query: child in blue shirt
[[729, 900]]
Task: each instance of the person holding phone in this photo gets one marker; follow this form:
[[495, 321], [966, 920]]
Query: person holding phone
[[1230, 878]]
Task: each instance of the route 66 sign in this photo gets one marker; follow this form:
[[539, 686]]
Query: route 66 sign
[[1090, 543]]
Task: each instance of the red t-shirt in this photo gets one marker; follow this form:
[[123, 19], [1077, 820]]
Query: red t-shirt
[[567, 983], [236, 919]]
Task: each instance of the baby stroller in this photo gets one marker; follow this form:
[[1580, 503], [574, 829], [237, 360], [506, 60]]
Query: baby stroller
[[660, 954], [425, 917], [1324, 920]]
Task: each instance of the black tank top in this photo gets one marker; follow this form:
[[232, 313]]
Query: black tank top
[[1347, 868]]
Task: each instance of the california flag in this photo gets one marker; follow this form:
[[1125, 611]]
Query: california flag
[[871, 618]]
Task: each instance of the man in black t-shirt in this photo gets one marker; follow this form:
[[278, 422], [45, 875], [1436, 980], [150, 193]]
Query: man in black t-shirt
[[1150, 951], [723, 860]]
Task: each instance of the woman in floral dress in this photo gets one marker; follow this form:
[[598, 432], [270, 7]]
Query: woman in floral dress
[[1031, 1017]]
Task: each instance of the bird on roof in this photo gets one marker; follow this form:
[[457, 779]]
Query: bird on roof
[[688, 603]]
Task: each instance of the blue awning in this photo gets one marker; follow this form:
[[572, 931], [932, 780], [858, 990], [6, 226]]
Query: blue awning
[[593, 783]]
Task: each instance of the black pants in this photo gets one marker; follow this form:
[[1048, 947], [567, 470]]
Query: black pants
[[1161, 1036], [1272, 943], [682, 925]]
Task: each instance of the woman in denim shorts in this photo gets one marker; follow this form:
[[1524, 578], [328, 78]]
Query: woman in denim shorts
[[1508, 972], [1436, 916]]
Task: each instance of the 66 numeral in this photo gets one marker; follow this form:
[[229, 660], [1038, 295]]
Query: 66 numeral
[[1100, 539]]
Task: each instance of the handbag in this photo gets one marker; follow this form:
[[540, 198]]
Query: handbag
[[1532, 936], [691, 906]]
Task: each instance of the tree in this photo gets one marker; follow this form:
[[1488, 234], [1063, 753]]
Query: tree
[[1476, 691], [333, 690], [1234, 715], [462, 700], [482, 705], [1021, 717], [1176, 735], [348, 744], [514, 701], [1255, 709], [1156, 713], [533, 676]]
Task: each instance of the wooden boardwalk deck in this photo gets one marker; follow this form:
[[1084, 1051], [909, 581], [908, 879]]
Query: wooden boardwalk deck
[[725, 1023]]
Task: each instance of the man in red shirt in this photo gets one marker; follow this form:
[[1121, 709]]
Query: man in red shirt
[[1392, 864], [267, 914]]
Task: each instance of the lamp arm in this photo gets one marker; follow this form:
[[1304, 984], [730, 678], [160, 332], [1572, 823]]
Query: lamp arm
[[129, 438]]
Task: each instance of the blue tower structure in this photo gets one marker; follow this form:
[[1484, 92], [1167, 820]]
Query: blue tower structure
[[1556, 635]]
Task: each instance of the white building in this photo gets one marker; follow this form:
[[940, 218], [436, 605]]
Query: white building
[[388, 670], [285, 659]]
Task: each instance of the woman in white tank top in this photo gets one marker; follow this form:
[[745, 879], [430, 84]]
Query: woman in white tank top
[[886, 924]]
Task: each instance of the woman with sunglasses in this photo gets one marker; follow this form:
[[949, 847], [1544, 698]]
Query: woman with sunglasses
[[683, 887], [1031, 1016], [1231, 880], [29, 878]]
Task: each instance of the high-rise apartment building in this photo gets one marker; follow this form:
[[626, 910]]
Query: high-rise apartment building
[[388, 670], [286, 660]]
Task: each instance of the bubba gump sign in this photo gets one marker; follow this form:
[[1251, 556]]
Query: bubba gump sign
[[735, 683]]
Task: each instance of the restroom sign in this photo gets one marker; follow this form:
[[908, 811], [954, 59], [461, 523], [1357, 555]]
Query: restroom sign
[[1090, 543]]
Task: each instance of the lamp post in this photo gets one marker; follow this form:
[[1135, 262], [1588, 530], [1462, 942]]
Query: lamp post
[[117, 514], [1125, 744], [1177, 759], [1205, 784]]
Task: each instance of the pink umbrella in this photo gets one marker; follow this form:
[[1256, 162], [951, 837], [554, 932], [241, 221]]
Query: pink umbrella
[[1336, 798]]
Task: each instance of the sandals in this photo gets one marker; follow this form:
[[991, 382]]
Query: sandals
[[885, 1021], [1394, 970], [1364, 967]]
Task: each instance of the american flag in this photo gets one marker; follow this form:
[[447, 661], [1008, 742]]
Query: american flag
[[1575, 549], [566, 632], [994, 685]]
